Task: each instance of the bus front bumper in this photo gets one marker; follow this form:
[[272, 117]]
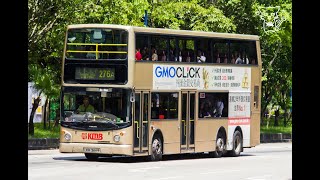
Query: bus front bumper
[[121, 149]]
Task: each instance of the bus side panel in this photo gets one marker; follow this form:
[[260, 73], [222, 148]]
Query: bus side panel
[[206, 133], [143, 75], [256, 107], [171, 135]]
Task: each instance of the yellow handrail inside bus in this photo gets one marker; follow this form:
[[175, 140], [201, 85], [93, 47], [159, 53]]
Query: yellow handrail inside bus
[[89, 44], [137, 122], [185, 127], [96, 51]]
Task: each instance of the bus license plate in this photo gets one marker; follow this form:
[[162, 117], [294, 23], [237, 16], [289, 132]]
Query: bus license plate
[[91, 150]]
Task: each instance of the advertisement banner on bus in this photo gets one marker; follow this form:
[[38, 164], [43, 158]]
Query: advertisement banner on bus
[[239, 115], [175, 77]]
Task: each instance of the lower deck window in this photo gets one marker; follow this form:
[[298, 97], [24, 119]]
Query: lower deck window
[[164, 105], [213, 105]]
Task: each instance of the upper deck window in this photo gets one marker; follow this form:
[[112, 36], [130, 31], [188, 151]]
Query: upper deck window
[[195, 49], [97, 43]]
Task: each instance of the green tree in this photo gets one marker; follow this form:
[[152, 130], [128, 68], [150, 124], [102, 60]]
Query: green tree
[[276, 50], [190, 16], [47, 21], [251, 17], [112, 12], [45, 83]]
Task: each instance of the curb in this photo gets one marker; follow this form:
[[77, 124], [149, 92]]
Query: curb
[[278, 137], [43, 143], [53, 143]]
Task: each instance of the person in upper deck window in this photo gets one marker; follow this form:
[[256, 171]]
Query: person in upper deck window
[[233, 61], [138, 54], [218, 58], [154, 55], [163, 57], [145, 54], [238, 60], [180, 57], [188, 59]]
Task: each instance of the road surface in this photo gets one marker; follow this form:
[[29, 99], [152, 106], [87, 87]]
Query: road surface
[[272, 161]]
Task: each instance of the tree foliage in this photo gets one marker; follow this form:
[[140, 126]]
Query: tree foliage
[[47, 21]]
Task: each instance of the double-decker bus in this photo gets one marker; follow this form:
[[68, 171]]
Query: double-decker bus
[[154, 92]]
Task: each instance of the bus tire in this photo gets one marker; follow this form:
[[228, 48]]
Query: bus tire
[[220, 147], [156, 149], [237, 143], [91, 157]]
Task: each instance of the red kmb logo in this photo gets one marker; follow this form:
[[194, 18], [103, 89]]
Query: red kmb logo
[[84, 135], [93, 136]]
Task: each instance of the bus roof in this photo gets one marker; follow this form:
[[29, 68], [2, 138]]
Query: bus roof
[[169, 31]]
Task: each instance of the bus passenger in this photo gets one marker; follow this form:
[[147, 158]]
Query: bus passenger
[[188, 59], [225, 58], [239, 60], [253, 61], [138, 54], [180, 57], [202, 58], [204, 110], [245, 59], [198, 56], [219, 107], [154, 55], [218, 58], [145, 54], [85, 107], [163, 57], [171, 57], [232, 59]]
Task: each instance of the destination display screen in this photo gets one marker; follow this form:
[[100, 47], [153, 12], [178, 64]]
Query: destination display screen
[[85, 73]]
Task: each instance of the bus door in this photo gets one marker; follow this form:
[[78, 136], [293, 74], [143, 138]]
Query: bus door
[[141, 122], [187, 125]]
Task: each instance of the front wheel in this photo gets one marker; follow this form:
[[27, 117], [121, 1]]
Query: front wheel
[[156, 149], [220, 147], [237, 144]]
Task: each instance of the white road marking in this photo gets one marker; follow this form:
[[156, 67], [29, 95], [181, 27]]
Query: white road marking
[[222, 171], [142, 169], [172, 177], [259, 177]]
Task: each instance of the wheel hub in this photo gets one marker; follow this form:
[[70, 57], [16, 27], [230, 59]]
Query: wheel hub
[[220, 144], [156, 146]]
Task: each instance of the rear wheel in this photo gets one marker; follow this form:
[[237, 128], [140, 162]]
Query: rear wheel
[[156, 149], [237, 144], [91, 157]]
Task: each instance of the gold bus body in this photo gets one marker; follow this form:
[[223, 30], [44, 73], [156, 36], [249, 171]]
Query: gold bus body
[[140, 78]]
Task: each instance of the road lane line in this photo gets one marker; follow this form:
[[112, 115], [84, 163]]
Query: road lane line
[[142, 169], [222, 171], [259, 177], [172, 177]]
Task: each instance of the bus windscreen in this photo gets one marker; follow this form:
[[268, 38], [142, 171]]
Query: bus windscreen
[[97, 43]]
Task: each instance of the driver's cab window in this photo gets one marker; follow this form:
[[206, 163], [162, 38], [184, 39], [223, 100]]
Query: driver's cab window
[[115, 105]]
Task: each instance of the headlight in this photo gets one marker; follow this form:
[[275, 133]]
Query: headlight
[[67, 136], [116, 138]]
